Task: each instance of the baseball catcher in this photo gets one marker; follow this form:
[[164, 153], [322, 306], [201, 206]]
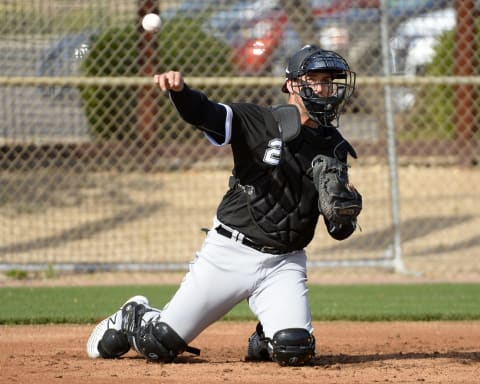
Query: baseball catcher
[[290, 167]]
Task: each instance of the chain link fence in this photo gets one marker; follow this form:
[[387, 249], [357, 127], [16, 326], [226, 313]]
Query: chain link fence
[[98, 171]]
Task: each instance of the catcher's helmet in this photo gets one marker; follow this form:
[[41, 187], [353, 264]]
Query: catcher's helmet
[[322, 109]]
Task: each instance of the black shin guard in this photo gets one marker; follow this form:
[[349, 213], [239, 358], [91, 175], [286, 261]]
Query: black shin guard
[[157, 341], [113, 344], [258, 346], [154, 339]]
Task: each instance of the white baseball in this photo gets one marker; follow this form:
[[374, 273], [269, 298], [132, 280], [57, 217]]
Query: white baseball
[[152, 22]]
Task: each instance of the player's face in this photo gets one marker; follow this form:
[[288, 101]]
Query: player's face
[[313, 85], [321, 83]]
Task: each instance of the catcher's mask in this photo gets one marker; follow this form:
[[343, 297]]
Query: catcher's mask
[[324, 107]]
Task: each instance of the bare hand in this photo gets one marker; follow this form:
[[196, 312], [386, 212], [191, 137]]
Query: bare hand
[[169, 81]]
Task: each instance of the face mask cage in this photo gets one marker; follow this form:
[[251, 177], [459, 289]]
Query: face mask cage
[[325, 100]]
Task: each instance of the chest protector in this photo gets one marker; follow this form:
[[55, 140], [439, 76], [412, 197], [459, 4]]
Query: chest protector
[[283, 206]]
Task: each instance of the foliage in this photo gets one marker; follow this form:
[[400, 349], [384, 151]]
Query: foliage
[[16, 274], [22, 18], [111, 111], [435, 104]]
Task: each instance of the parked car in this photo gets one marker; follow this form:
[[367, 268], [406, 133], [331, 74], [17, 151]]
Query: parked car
[[413, 47], [414, 41], [263, 37], [62, 58]]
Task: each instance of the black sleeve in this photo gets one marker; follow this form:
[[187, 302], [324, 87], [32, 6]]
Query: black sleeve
[[339, 233], [336, 146], [195, 108]]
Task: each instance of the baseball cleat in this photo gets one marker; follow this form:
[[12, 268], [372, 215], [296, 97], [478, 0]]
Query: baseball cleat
[[115, 342]]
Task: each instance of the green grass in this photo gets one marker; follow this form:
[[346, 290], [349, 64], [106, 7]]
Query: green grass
[[421, 302]]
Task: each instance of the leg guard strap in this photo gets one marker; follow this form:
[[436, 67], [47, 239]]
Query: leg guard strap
[[157, 341]]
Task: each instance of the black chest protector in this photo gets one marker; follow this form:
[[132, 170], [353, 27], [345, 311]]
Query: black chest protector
[[284, 208], [281, 205]]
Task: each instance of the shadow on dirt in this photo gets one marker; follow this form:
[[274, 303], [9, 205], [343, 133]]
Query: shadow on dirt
[[334, 360]]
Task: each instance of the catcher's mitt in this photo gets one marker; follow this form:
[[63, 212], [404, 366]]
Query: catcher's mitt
[[338, 201]]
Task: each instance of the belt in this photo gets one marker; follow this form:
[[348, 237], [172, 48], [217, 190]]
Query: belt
[[240, 237]]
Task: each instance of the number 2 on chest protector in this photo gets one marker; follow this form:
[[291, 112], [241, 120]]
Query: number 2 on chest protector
[[272, 154]]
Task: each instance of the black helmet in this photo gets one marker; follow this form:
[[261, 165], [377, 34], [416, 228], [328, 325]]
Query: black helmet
[[311, 58]]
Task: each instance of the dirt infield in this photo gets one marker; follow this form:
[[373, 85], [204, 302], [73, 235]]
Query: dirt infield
[[396, 352]]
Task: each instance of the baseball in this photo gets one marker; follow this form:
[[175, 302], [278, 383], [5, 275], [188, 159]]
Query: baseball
[[152, 22]]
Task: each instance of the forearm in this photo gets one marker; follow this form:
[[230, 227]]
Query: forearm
[[195, 108]]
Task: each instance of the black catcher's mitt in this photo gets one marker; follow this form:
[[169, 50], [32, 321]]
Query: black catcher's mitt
[[338, 201]]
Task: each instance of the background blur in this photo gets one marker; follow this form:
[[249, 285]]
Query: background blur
[[97, 172]]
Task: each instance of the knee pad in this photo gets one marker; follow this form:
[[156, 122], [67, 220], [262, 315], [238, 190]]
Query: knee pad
[[158, 342], [293, 346], [113, 344]]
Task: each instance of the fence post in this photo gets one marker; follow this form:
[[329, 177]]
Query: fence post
[[464, 65], [147, 106], [397, 260]]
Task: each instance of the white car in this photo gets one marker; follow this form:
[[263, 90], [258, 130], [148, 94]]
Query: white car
[[415, 39], [413, 46]]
